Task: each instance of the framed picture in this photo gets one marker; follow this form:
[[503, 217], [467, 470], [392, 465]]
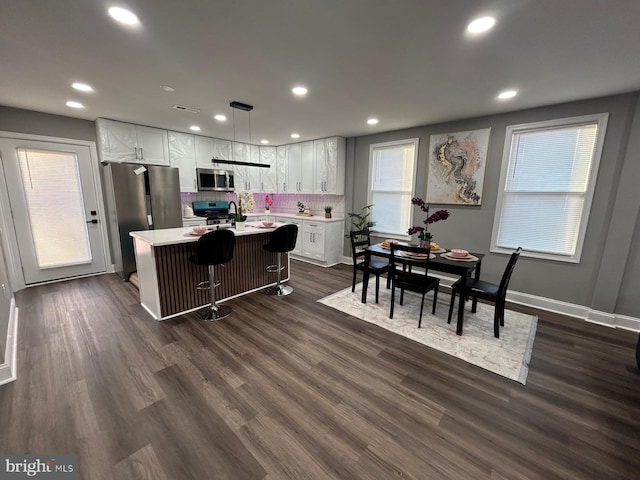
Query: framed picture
[[457, 163]]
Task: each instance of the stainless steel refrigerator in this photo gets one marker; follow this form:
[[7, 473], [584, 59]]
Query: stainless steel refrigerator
[[139, 197]]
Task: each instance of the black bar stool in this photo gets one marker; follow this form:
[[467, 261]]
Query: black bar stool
[[282, 240], [214, 248]]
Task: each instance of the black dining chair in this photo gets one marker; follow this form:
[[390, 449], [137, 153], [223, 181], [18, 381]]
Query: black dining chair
[[479, 289], [403, 256], [360, 240]]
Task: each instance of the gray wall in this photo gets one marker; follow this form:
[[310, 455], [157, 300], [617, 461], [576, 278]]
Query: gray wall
[[588, 283], [37, 123]]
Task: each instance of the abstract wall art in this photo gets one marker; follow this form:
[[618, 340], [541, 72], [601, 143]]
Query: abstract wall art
[[457, 163]]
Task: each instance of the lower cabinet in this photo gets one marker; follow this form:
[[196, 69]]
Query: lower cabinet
[[313, 240], [318, 242], [298, 248], [194, 222]]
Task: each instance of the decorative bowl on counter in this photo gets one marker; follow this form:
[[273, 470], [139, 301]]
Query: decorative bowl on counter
[[200, 230], [267, 224]]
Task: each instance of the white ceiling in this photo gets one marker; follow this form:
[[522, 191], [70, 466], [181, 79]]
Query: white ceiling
[[406, 62]]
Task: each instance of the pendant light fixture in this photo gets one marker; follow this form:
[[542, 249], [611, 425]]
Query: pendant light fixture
[[247, 108]]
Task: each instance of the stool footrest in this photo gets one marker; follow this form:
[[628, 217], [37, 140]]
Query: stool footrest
[[205, 285], [274, 268]]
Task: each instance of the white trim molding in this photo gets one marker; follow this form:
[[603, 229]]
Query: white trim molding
[[9, 369]]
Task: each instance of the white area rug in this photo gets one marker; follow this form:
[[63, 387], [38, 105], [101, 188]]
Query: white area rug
[[508, 355]]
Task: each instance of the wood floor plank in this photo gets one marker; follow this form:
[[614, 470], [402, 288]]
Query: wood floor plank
[[288, 388]]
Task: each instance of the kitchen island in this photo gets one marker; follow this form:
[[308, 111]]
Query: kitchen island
[[167, 278]]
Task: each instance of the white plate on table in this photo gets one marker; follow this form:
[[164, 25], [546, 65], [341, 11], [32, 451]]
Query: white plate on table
[[416, 256], [467, 258]]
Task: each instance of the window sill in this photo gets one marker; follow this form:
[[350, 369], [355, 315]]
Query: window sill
[[537, 255]]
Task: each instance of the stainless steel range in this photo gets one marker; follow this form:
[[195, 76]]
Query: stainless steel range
[[216, 213]]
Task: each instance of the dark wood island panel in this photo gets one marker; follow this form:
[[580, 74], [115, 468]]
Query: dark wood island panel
[[176, 277]]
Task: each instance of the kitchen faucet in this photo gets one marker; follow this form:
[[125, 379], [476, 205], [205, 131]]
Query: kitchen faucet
[[235, 212]]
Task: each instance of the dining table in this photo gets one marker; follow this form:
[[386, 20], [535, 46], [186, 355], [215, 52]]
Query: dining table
[[461, 268]]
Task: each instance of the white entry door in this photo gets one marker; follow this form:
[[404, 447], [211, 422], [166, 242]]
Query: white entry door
[[53, 196]]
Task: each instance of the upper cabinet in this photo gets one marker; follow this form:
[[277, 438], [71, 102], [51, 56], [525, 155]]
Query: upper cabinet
[[330, 159], [208, 148], [296, 163], [126, 142], [269, 176], [316, 166], [246, 178], [182, 154]]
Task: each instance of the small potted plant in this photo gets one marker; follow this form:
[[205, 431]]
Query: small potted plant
[[327, 211]]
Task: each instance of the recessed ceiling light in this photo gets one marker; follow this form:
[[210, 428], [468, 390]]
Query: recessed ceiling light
[[264, 142], [295, 135], [123, 16], [73, 104], [220, 118], [372, 121], [299, 90], [83, 87], [195, 128], [481, 24], [167, 88], [507, 94]]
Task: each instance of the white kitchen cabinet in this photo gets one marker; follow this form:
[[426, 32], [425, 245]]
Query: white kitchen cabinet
[[208, 148], [221, 149], [319, 241], [298, 248], [126, 142], [268, 176], [194, 222], [246, 178], [182, 154], [329, 164], [313, 240], [299, 168]]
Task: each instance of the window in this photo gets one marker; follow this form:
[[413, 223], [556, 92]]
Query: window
[[392, 167], [53, 194], [546, 186]]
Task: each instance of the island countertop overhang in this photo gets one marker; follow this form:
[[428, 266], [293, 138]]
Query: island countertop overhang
[[173, 236]]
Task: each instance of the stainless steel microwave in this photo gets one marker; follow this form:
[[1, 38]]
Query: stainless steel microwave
[[215, 180]]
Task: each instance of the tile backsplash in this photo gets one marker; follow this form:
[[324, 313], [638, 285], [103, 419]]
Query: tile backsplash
[[282, 202]]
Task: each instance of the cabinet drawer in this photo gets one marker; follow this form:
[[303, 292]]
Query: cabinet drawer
[[196, 222]]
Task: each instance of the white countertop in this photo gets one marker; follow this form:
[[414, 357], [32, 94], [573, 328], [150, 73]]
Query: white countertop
[[172, 236]]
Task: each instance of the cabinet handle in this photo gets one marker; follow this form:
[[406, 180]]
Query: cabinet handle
[[141, 154], [135, 149]]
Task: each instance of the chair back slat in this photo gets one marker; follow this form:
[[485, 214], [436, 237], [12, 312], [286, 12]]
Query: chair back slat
[[421, 260], [506, 276], [360, 240]]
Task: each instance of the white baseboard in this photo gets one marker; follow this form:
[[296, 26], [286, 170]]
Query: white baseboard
[[8, 369], [612, 320]]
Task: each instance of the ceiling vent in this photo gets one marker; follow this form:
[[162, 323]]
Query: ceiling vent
[[182, 108]]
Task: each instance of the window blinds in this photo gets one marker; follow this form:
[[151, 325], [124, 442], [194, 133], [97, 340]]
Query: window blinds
[[547, 180]]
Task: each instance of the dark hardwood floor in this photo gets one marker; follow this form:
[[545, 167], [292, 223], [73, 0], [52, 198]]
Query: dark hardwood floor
[[287, 388]]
